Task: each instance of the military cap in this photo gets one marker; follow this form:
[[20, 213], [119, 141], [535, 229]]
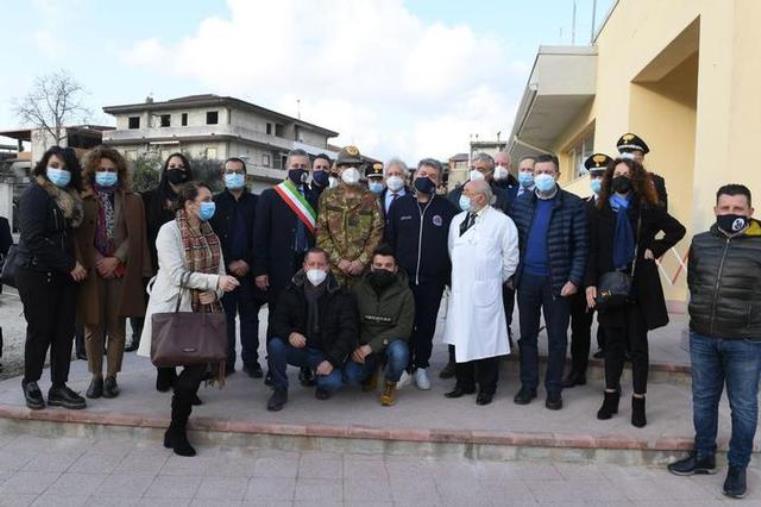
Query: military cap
[[631, 142], [349, 155], [374, 170], [597, 162]]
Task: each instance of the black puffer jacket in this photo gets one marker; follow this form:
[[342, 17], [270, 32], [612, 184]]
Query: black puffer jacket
[[338, 318], [724, 277]]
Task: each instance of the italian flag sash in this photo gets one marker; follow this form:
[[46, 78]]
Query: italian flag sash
[[299, 205]]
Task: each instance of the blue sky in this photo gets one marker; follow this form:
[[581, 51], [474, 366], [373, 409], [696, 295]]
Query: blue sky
[[409, 78]]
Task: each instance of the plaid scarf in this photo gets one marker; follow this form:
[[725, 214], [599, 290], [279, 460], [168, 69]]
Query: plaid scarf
[[202, 255], [106, 222]]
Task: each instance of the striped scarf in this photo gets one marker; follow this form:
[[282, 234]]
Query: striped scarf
[[202, 255]]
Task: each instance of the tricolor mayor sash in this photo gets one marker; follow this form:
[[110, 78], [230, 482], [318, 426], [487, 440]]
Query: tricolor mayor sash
[[290, 194]]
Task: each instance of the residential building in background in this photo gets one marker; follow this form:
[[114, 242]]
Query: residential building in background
[[459, 167]]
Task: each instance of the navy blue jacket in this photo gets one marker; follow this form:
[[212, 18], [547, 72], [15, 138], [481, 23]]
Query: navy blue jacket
[[274, 236], [567, 238], [504, 197], [419, 237], [222, 223]]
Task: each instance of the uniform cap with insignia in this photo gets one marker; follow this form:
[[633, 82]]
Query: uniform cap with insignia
[[632, 142], [374, 170], [349, 156], [597, 162]]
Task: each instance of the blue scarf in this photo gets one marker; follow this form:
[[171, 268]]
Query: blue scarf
[[623, 236]]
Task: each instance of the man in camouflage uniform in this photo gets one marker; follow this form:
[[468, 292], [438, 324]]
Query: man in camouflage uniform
[[350, 224]]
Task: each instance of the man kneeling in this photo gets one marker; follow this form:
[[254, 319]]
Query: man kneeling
[[314, 325], [387, 314]]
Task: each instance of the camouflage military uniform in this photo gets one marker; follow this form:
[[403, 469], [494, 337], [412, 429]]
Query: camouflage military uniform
[[349, 226]]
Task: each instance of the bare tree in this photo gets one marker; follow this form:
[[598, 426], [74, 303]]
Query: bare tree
[[54, 100]]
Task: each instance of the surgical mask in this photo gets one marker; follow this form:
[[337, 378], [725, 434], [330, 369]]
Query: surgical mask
[[596, 185], [106, 178], [176, 176], [476, 175], [501, 173], [376, 187], [424, 185], [731, 223], [350, 176], [621, 184], [322, 178], [465, 203], [381, 278], [234, 181], [59, 177], [316, 276], [206, 210], [394, 183], [526, 179], [332, 182], [544, 183], [298, 176]]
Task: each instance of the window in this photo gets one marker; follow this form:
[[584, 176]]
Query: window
[[211, 153], [212, 117], [134, 122], [184, 119], [269, 129], [278, 130], [265, 160], [582, 150], [166, 120]]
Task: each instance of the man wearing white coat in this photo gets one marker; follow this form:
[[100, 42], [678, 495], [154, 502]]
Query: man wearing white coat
[[483, 246]]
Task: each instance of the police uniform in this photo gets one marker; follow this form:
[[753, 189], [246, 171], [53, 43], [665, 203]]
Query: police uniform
[[349, 225], [581, 316], [628, 143]]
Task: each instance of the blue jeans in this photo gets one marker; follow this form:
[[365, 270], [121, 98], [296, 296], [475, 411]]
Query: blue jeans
[[534, 295], [281, 354], [738, 363], [397, 356]]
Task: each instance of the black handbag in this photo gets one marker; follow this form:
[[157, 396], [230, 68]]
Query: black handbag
[[9, 267], [614, 289]]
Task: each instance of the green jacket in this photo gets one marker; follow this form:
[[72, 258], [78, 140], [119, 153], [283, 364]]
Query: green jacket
[[385, 317]]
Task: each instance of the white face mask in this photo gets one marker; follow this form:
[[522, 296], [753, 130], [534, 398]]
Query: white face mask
[[394, 183], [350, 176], [316, 276], [476, 175], [501, 173]]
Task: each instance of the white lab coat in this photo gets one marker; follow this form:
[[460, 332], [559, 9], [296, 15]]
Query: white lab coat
[[482, 260]]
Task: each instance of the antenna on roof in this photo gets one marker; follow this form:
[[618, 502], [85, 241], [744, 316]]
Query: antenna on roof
[[298, 108], [573, 24], [149, 98], [594, 14]]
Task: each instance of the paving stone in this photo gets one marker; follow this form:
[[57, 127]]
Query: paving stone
[[28, 482]]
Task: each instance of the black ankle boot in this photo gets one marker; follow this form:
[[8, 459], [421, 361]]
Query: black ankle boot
[[609, 406], [638, 412]]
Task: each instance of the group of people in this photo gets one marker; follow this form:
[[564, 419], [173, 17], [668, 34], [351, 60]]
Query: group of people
[[354, 270]]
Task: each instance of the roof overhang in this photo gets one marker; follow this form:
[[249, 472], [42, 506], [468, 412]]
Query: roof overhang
[[561, 84]]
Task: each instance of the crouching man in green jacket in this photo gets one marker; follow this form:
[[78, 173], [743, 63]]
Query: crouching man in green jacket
[[386, 316]]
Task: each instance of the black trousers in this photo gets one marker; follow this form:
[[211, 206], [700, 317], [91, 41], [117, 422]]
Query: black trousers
[[508, 301], [50, 302], [484, 372], [185, 387], [630, 335], [427, 302], [581, 333]]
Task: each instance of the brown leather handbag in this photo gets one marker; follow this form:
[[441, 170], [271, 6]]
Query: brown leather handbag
[[188, 338]]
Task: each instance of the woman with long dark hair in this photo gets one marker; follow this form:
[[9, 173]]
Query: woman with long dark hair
[[622, 233], [48, 276], [191, 267]]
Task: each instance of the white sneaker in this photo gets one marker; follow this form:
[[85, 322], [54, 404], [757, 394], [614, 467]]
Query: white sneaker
[[421, 379], [403, 380]]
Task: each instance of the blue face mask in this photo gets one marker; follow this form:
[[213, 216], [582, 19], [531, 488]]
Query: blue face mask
[[234, 181], [526, 179], [322, 178], [106, 178], [465, 203], [596, 185], [58, 177], [544, 183], [375, 187], [206, 211]]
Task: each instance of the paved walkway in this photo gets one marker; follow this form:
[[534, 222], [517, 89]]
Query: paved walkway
[[79, 471]]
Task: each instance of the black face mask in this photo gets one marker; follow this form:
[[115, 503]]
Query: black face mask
[[731, 223], [176, 176], [381, 278], [621, 185], [297, 176], [321, 178], [424, 185]]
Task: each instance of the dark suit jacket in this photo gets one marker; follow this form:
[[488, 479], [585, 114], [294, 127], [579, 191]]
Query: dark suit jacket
[[6, 240]]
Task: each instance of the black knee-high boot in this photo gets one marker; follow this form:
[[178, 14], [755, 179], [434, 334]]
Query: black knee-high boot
[[176, 436]]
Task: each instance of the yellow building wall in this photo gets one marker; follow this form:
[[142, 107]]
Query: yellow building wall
[[698, 108]]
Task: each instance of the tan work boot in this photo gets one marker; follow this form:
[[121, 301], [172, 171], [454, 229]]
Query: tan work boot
[[388, 397]]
